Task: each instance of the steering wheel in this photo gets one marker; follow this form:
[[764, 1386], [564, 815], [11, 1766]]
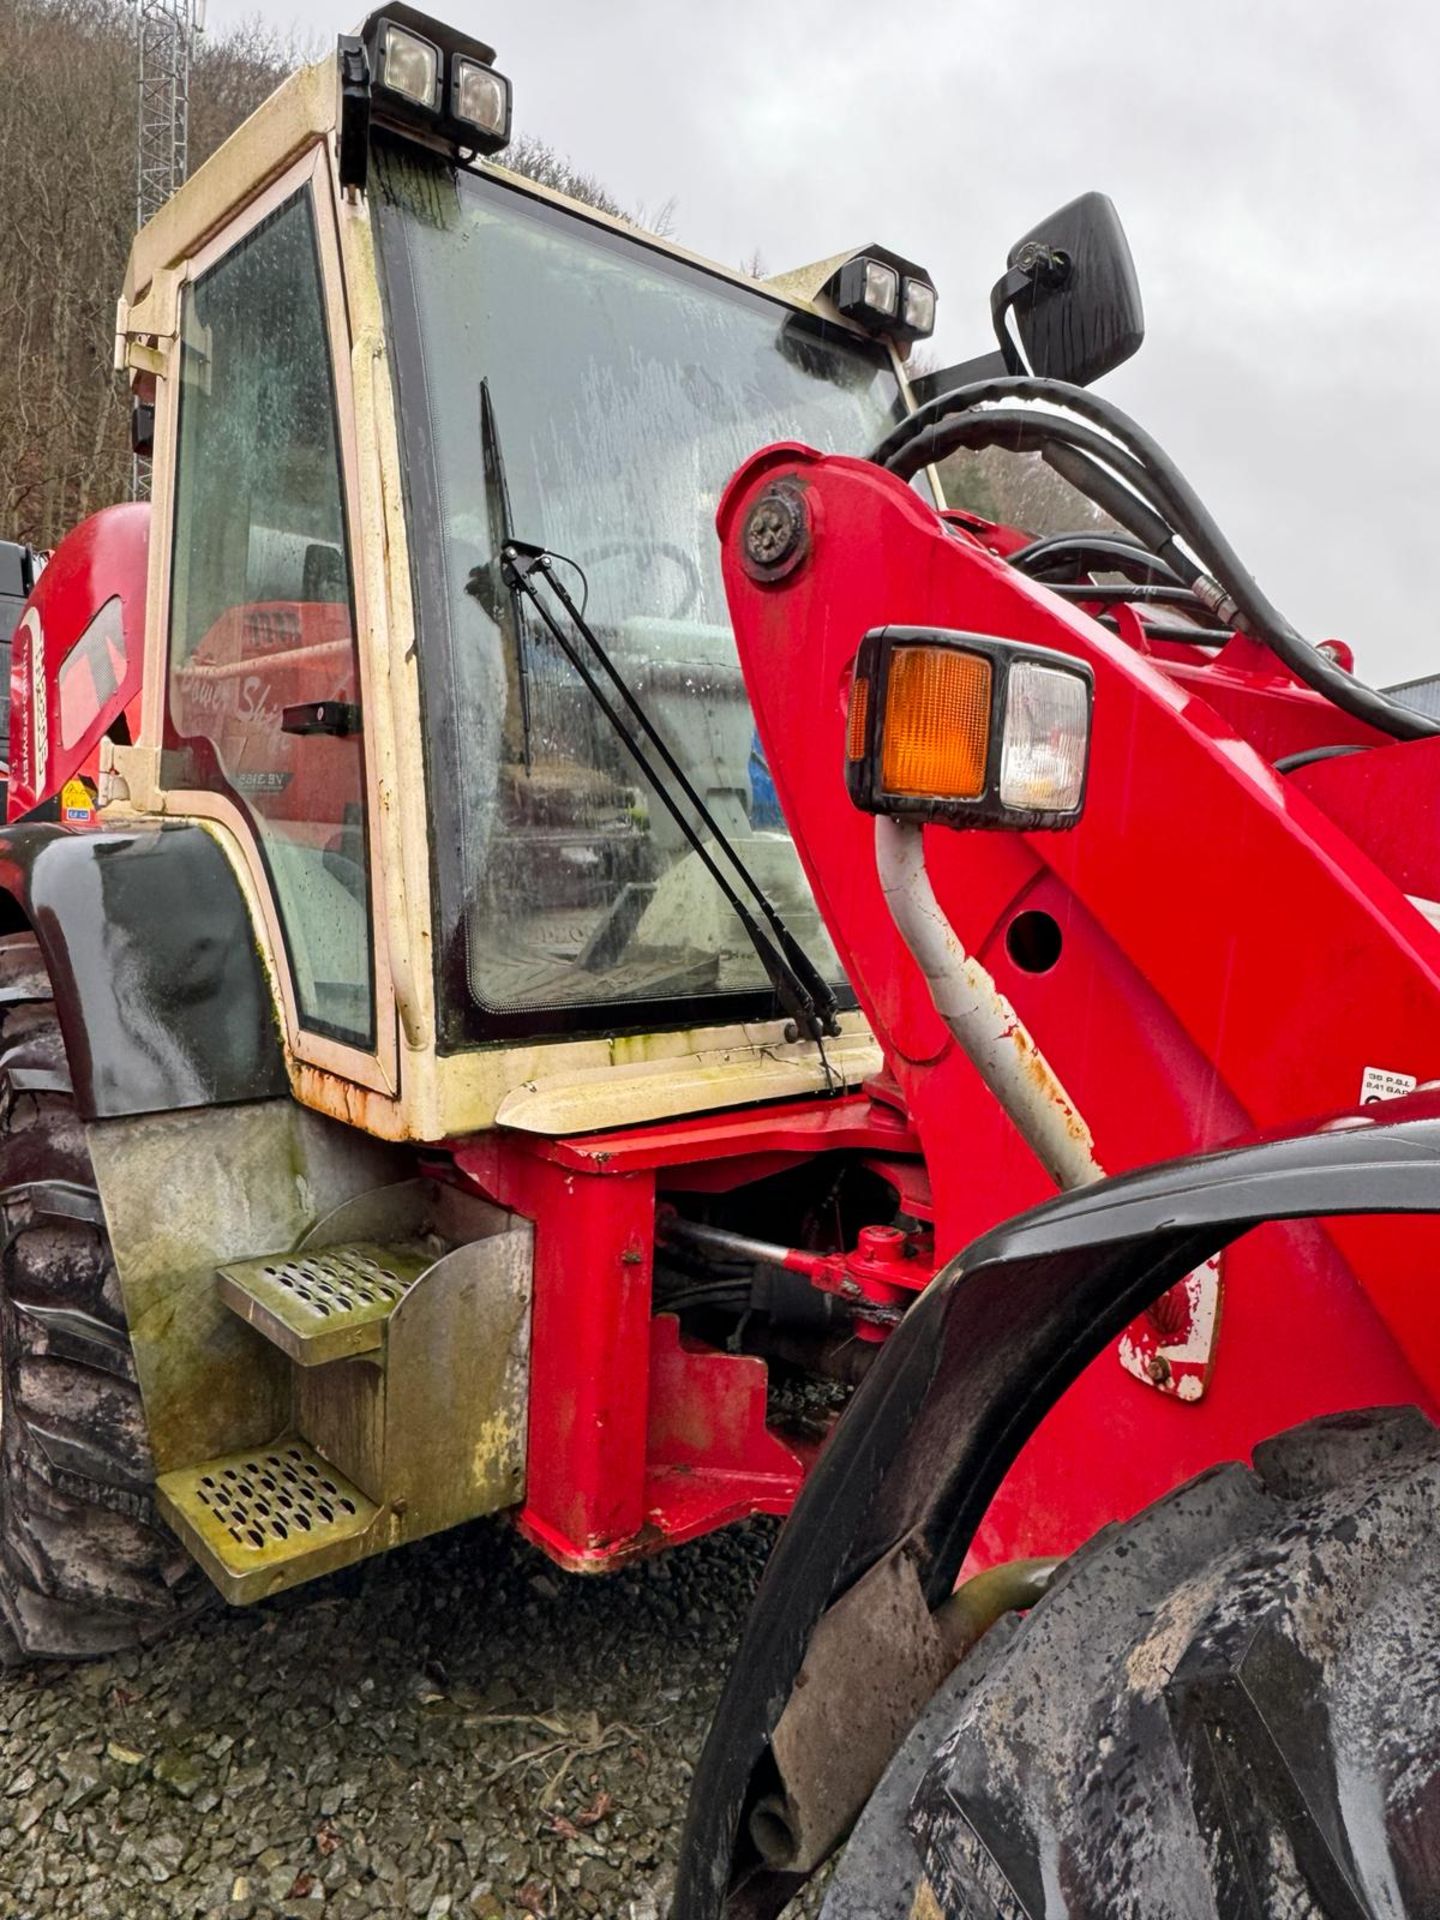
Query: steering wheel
[[650, 551]]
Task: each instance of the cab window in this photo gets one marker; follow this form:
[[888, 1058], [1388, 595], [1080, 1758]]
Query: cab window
[[263, 693]]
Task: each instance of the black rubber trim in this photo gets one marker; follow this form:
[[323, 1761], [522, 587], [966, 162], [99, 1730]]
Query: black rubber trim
[[158, 982]]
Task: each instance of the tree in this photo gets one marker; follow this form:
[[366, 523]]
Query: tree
[[67, 206], [67, 200]]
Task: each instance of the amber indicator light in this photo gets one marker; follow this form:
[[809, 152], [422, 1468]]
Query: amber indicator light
[[937, 723]]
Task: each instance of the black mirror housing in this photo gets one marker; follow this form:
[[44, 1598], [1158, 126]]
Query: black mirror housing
[[1074, 294]]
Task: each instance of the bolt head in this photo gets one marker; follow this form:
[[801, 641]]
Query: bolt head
[[776, 535]]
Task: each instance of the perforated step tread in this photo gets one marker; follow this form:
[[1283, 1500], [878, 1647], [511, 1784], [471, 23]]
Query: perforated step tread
[[266, 1518], [323, 1303]]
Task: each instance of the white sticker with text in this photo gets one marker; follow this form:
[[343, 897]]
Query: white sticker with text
[[1378, 1083]]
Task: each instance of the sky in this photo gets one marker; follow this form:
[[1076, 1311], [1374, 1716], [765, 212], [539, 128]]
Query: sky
[[1277, 167]]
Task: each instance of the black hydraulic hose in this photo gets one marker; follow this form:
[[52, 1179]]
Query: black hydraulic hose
[[921, 438], [1091, 463], [1147, 595], [1093, 552], [1099, 484], [1288, 762], [1175, 630]]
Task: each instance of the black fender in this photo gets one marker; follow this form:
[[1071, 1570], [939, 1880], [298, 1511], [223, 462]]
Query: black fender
[[958, 1390], [159, 985]]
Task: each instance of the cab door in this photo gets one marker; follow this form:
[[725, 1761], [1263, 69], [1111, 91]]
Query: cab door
[[263, 721]]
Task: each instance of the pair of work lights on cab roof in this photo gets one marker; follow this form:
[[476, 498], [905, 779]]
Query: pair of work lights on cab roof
[[968, 730], [421, 83], [883, 294]]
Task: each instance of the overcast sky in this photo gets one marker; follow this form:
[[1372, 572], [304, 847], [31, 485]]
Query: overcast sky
[[1276, 163]]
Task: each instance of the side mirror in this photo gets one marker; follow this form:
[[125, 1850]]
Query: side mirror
[[1072, 288]]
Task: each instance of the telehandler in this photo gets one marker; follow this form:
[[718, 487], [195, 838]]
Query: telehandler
[[464, 1051]]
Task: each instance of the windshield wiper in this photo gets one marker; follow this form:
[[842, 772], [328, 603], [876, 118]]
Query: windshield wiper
[[502, 603], [799, 986]]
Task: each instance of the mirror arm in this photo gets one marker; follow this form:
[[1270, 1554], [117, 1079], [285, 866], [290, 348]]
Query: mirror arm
[[1003, 295]]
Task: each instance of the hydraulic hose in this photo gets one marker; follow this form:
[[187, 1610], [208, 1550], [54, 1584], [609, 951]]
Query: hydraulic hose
[[939, 427], [1092, 550]]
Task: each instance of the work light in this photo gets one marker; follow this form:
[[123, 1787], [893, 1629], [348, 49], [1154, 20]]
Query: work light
[[884, 294], [917, 307], [420, 79], [868, 291], [409, 66], [480, 98], [967, 729]]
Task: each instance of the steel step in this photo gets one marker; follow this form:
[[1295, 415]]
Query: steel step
[[323, 1303], [267, 1518]]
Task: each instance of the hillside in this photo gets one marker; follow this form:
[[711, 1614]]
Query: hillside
[[67, 201]]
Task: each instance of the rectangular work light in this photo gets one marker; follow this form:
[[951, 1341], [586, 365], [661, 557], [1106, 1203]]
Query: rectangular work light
[[408, 65], [414, 75], [884, 293], [967, 729], [480, 99]]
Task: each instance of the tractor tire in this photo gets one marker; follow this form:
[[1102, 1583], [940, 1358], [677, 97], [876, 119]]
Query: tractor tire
[[1226, 1707], [85, 1566]]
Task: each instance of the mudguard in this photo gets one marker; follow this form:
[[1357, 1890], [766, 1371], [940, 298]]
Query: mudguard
[[159, 986], [958, 1390]]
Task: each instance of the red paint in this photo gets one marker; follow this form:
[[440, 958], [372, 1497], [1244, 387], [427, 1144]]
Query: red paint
[[639, 1439], [89, 603], [1235, 953], [229, 699]]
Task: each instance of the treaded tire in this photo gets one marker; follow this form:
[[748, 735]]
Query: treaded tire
[[1226, 1707], [85, 1566]]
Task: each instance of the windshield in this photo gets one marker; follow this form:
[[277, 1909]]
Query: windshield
[[573, 387]]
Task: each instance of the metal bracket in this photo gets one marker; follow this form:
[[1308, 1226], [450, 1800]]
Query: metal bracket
[[145, 333]]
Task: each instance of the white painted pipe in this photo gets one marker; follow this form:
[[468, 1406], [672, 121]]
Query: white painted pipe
[[982, 1020]]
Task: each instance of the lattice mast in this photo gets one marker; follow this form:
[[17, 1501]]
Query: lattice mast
[[165, 30]]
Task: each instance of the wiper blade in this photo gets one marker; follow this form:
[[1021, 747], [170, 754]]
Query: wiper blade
[[500, 598], [799, 986]]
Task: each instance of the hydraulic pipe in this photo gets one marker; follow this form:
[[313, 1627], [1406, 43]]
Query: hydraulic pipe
[[979, 1016]]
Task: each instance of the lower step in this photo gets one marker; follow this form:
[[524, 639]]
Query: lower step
[[268, 1518]]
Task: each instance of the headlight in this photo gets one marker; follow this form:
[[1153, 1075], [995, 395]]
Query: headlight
[[1047, 731], [967, 729], [410, 67]]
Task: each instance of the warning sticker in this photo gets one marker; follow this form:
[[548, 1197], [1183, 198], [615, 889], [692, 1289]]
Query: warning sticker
[[1378, 1083], [75, 802]]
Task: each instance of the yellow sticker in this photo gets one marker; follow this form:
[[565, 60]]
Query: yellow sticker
[[75, 801]]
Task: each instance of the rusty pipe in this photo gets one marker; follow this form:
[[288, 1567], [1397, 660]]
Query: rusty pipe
[[979, 1016], [976, 1604]]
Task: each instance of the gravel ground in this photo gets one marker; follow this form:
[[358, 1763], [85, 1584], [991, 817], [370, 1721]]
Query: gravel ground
[[455, 1730]]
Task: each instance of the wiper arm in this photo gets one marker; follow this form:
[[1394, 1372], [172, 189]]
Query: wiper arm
[[500, 599], [799, 986]]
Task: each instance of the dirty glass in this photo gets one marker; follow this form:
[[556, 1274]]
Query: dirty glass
[[262, 622], [577, 389]]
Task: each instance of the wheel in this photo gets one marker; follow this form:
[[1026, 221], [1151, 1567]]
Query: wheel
[[1225, 1707], [85, 1566]]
